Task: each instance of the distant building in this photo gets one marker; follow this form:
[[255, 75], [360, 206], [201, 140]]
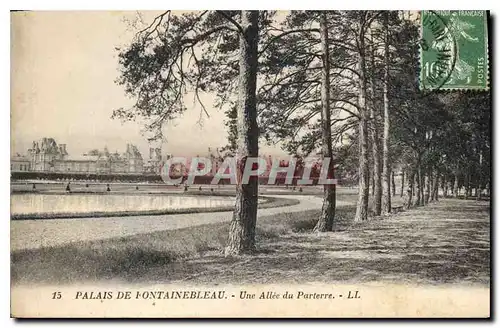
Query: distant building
[[20, 163], [73, 164], [44, 153], [133, 161], [154, 162], [47, 156]]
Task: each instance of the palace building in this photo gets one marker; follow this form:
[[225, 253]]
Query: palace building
[[46, 155], [20, 163]]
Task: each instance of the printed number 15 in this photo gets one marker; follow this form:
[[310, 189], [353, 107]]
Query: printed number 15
[[56, 295]]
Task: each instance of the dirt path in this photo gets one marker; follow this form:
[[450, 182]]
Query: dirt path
[[444, 242]]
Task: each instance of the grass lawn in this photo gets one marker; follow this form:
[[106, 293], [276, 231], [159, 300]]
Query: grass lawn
[[443, 242]]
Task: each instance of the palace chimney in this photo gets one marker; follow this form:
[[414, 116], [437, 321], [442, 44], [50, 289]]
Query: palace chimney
[[62, 149]]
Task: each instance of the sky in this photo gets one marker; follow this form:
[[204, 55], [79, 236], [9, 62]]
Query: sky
[[63, 71]]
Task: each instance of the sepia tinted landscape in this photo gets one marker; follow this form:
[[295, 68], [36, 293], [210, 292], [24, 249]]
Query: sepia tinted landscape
[[102, 110]]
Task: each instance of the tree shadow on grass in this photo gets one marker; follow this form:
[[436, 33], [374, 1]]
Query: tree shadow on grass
[[300, 264], [436, 244]]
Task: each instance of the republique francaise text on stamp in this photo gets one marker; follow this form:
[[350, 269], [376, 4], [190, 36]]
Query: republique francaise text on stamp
[[454, 50]]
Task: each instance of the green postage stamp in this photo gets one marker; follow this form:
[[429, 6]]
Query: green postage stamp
[[454, 50]]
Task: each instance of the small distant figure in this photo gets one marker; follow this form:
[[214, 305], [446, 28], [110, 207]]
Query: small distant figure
[[406, 199], [185, 188], [34, 187], [136, 187], [68, 189], [199, 188], [86, 185], [107, 187], [211, 189], [294, 188], [300, 189]]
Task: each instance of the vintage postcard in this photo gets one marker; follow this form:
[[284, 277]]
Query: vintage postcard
[[250, 164]]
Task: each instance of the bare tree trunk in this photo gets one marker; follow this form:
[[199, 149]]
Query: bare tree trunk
[[415, 183], [435, 186], [402, 182], [471, 184], [479, 187], [422, 186], [455, 184], [419, 199], [364, 186], [445, 186], [428, 179], [433, 181], [393, 183], [467, 184], [242, 229], [386, 170], [409, 194], [325, 222], [375, 142]]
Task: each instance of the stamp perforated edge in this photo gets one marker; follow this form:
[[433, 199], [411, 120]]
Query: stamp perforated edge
[[458, 88]]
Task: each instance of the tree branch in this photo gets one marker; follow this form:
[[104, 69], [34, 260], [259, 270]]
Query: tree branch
[[279, 36], [231, 20]]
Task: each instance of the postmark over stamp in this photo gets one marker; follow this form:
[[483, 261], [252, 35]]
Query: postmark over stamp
[[454, 50]]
